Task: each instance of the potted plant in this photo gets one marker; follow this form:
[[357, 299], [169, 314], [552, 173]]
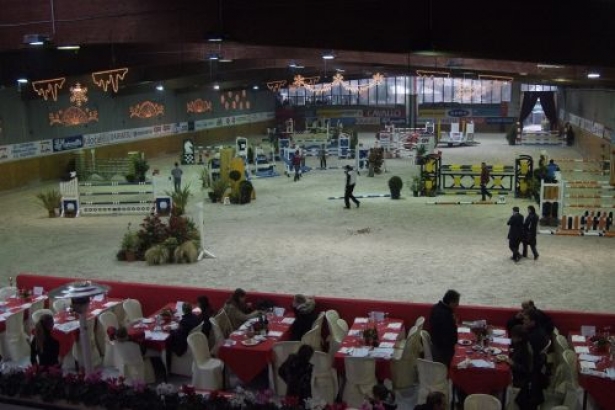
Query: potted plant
[[417, 186], [511, 135], [245, 192], [421, 150], [395, 186], [180, 199], [141, 168], [51, 201], [130, 244], [217, 191]]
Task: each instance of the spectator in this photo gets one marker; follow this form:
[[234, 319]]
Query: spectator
[[552, 168], [444, 327], [296, 372], [238, 310], [485, 178], [177, 177], [305, 315], [178, 339], [205, 313], [44, 349], [383, 398], [521, 362], [515, 233]]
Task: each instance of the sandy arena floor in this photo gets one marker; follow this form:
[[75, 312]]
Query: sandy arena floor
[[293, 239]]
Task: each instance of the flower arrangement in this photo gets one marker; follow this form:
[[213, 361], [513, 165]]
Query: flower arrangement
[[25, 293], [480, 331], [370, 336], [49, 385]]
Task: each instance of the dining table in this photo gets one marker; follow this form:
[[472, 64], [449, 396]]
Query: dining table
[[66, 322], [155, 330], [16, 304], [389, 332], [596, 371], [479, 368], [247, 355]]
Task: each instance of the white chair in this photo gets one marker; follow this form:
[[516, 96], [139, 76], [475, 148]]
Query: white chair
[[207, 372], [334, 346], [403, 369], [324, 378], [419, 323], [218, 336], [34, 307], [332, 324], [7, 292], [320, 319], [426, 342], [60, 305], [281, 351], [131, 364], [561, 345], [433, 376], [481, 402], [312, 338], [107, 320], [224, 322], [16, 346], [133, 311], [36, 316], [95, 354], [343, 327], [182, 365], [360, 380]]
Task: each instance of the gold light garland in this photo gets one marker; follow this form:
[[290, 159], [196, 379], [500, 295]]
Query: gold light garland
[[44, 88], [311, 83], [109, 77]]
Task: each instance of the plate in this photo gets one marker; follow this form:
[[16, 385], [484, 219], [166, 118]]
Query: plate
[[465, 342], [501, 358], [147, 320], [498, 332], [69, 318], [250, 342], [493, 350]]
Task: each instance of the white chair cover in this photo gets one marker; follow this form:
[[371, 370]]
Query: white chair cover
[[481, 402], [7, 292], [131, 364], [224, 323], [182, 365], [207, 372], [426, 343], [360, 380], [312, 338], [324, 378], [133, 311], [36, 316], [403, 370], [217, 336], [433, 376], [419, 323], [281, 351], [60, 305], [16, 346], [334, 331], [320, 319], [35, 307], [107, 320], [78, 352]]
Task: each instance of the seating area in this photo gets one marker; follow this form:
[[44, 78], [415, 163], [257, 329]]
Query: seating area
[[345, 366]]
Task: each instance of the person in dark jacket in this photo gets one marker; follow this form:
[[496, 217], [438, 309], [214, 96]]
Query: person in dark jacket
[[296, 372], [351, 181], [178, 339], [569, 135], [522, 364], [485, 178], [529, 228], [204, 315], [44, 349], [436, 400], [542, 319], [305, 315], [444, 327], [515, 233], [297, 165]]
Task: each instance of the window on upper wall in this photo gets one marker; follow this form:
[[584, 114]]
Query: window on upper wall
[[538, 87]]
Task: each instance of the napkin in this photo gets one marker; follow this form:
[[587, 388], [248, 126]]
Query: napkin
[[501, 341], [346, 350], [68, 326], [274, 333], [482, 364], [589, 358], [229, 342], [110, 304], [155, 335], [361, 320], [382, 352], [588, 331], [288, 320], [464, 363], [360, 352], [581, 349], [587, 365], [387, 344], [396, 325], [390, 336], [578, 339], [96, 312], [37, 290], [355, 332], [26, 306], [463, 329], [99, 298]]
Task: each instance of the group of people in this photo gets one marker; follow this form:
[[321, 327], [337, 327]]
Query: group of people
[[529, 330], [522, 231]]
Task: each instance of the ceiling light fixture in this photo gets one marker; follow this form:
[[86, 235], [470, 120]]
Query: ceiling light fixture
[[255, 87], [225, 60], [215, 38], [328, 56], [593, 75], [160, 87], [22, 80], [69, 47], [495, 77], [553, 66], [340, 70], [35, 39], [216, 87], [214, 57]]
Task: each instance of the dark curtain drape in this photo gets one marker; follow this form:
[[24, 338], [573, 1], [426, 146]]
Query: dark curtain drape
[[547, 101], [529, 101]]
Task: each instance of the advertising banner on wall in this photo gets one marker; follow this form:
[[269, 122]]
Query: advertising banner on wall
[[25, 150], [67, 143]]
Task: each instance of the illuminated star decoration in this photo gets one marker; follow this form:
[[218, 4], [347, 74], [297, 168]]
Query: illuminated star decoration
[[78, 95]]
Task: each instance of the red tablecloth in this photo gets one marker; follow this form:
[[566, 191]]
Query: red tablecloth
[[157, 340], [473, 380], [16, 304], [601, 389], [354, 338], [247, 362], [68, 337]]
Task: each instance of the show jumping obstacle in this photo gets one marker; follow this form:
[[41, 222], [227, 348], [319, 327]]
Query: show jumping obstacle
[[589, 224]]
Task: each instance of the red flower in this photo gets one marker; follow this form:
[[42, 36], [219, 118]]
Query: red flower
[[290, 401], [188, 389]]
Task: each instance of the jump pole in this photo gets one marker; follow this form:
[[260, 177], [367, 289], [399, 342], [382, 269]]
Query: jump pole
[[466, 203], [364, 196], [204, 252]]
